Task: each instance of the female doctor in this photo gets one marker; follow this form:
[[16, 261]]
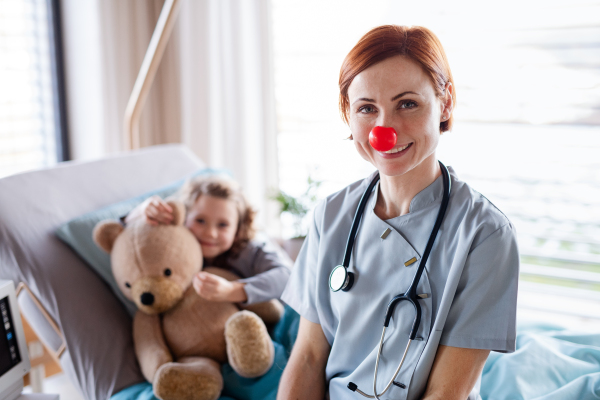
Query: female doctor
[[396, 89]]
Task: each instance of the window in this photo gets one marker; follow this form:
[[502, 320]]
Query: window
[[30, 118], [527, 131]]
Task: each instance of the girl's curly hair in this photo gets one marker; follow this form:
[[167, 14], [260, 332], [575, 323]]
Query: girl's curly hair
[[222, 187]]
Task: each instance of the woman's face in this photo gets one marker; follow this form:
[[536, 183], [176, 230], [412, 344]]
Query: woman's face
[[397, 93]]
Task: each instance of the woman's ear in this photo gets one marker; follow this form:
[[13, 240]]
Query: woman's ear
[[178, 212], [447, 102]]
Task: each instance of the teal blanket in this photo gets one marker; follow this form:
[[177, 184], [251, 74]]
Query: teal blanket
[[550, 364]]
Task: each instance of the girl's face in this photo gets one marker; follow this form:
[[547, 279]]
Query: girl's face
[[214, 222], [397, 93]]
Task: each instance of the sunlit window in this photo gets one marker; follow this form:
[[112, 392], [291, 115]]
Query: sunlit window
[[27, 113], [527, 132]]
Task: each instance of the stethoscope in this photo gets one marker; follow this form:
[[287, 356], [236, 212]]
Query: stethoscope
[[342, 279]]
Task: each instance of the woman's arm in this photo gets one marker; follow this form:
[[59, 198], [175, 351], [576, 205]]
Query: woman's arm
[[304, 375], [454, 373]]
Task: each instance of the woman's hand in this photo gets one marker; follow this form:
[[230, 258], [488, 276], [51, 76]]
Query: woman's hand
[[154, 210], [214, 288]]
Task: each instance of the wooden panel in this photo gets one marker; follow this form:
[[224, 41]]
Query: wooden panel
[[51, 367]]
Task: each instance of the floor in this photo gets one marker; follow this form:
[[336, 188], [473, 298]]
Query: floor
[[59, 384]]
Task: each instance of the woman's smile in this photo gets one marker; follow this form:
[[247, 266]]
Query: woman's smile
[[396, 151]]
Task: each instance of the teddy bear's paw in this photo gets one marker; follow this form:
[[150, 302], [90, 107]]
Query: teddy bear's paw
[[191, 378], [249, 348]]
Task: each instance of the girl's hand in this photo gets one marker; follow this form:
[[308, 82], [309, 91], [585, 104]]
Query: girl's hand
[[214, 288], [156, 211], [153, 210]]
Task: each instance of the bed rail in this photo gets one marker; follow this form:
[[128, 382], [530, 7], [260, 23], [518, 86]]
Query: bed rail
[[143, 83]]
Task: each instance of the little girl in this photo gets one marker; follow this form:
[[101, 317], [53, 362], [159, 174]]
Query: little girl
[[219, 216]]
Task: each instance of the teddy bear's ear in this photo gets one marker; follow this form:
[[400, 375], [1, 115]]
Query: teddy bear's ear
[[178, 211], [105, 233]]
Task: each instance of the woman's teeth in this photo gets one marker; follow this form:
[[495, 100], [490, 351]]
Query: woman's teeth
[[392, 151]]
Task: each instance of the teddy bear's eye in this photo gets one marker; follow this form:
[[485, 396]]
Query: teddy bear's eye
[[127, 284], [167, 272]]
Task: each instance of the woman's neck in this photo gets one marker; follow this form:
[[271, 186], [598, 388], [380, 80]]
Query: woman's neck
[[397, 192]]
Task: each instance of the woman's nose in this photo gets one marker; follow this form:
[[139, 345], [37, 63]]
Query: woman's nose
[[385, 120]]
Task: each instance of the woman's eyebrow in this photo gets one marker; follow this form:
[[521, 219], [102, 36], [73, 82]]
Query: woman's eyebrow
[[363, 99], [396, 97]]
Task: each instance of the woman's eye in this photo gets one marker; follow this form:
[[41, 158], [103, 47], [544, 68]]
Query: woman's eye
[[408, 104], [366, 109], [223, 225], [200, 220]]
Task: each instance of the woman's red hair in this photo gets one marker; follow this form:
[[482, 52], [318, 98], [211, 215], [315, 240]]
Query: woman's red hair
[[417, 43]]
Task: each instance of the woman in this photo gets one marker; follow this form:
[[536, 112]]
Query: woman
[[398, 77]]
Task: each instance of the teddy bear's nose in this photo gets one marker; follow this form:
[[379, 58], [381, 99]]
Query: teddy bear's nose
[[147, 298]]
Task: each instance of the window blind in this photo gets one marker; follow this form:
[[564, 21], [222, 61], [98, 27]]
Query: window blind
[[27, 114]]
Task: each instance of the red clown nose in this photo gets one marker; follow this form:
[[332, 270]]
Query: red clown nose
[[382, 138]]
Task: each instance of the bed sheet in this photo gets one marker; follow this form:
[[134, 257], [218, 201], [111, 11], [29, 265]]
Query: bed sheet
[[550, 363]]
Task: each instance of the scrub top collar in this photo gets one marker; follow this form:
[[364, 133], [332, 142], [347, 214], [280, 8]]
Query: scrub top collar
[[430, 195]]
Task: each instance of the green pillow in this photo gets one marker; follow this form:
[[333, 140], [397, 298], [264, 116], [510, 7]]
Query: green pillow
[[77, 233]]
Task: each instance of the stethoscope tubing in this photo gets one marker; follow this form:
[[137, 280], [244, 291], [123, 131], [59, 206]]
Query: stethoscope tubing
[[357, 219], [411, 294]]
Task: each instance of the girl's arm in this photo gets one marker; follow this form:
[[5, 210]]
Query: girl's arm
[[215, 288], [304, 375], [266, 270], [454, 373]]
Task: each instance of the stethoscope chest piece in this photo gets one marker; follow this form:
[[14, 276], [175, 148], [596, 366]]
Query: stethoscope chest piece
[[341, 279]]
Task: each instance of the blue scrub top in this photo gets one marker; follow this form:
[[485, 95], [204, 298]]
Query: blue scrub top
[[471, 279]]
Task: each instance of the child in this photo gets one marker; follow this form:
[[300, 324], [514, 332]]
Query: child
[[219, 216]]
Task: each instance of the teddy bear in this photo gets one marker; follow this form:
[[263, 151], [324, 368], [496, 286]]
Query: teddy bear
[[181, 339]]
